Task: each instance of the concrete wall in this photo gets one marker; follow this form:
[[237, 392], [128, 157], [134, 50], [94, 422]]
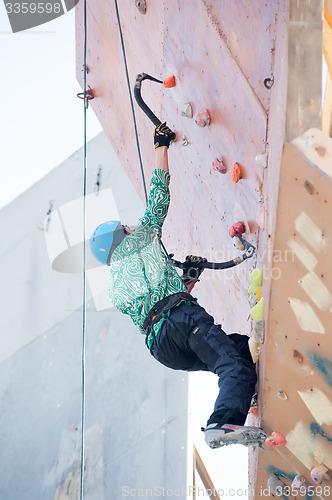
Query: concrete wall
[[136, 411]]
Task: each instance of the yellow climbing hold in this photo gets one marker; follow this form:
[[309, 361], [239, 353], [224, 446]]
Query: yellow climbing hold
[[256, 278], [257, 312]]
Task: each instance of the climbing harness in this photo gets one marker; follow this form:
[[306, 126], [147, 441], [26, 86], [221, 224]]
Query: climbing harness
[[161, 309]]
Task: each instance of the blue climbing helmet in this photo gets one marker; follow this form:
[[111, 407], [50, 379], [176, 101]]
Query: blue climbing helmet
[[105, 238]]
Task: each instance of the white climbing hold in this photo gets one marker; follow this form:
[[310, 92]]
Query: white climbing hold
[[254, 348], [238, 243], [282, 395], [318, 474], [141, 5], [262, 160], [187, 110], [300, 484]]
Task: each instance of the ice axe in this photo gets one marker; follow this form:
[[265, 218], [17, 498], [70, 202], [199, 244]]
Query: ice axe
[[188, 267], [168, 82]]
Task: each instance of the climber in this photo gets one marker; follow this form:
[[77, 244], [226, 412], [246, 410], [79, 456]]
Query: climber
[[180, 334]]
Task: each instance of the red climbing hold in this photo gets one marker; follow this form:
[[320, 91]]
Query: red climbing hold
[[169, 82], [219, 166], [237, 228], [275, 440], [236, 172]]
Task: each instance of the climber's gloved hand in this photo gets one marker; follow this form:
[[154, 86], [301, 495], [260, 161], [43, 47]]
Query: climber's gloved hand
[[191, 272], [163, 136]]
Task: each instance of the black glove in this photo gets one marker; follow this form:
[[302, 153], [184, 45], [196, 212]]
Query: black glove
[[163, 136], [191, 272]]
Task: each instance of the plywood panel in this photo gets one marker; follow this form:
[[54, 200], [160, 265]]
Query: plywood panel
[[298, 344]]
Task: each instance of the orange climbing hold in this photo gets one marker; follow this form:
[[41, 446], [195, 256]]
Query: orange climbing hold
[[275, 440], [169, 82], [236, 172]]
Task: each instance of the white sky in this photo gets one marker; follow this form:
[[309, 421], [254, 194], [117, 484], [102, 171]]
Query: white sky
[[41, 117]]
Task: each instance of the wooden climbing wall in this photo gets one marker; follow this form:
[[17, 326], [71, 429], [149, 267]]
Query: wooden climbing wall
[[220, 56]]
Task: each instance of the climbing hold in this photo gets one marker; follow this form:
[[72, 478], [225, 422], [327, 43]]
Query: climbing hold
[[257, 311], [256, 278], [258, 329], [275, 440], [185, 141], [219, 166], [236, 172], [318, 474], [282, 395], [254, 348], [258, 293], [237, 228], [238, 244], [309, 187], [253, 410], [262, 160], [169, 82], [187, 110], [275, 485], [268, 82], [141, 5], [298, 356], [299, 484], [203, 118]]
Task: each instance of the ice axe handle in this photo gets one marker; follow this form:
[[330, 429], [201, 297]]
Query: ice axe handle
[[249, 252], [137, 93]]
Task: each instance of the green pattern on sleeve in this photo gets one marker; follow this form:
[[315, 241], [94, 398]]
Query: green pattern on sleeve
[[140, 273]]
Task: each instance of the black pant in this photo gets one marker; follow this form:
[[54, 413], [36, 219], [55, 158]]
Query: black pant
[[189, 340]]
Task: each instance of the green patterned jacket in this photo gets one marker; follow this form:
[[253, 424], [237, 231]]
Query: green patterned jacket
[[140, 273]]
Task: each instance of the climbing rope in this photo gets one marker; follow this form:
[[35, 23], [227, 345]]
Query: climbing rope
[[85, 106], [133, 110]]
